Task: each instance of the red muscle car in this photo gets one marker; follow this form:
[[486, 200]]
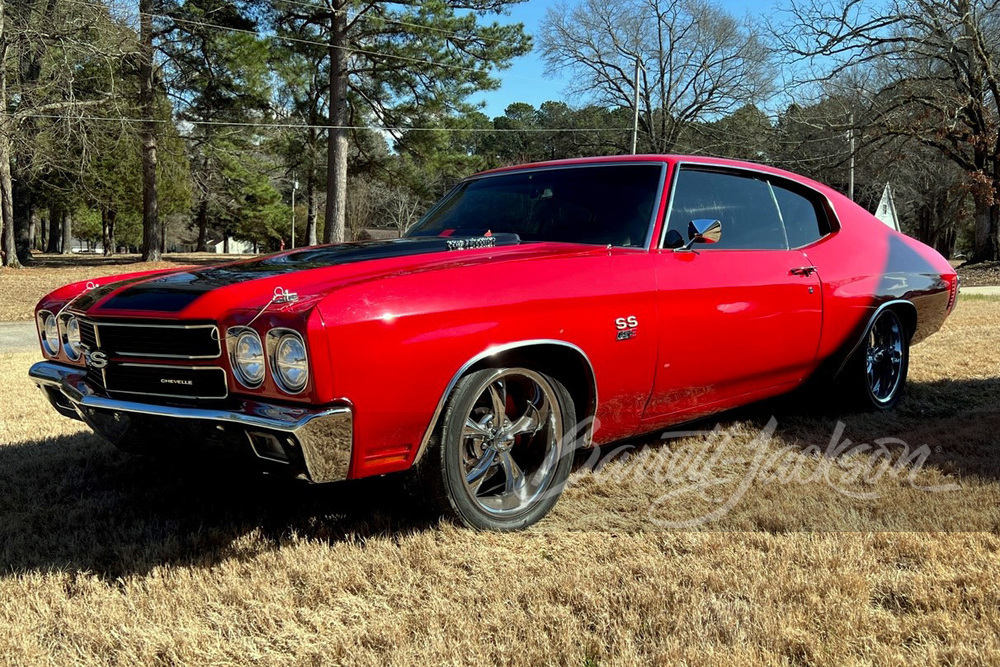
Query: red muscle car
[[533, 310]]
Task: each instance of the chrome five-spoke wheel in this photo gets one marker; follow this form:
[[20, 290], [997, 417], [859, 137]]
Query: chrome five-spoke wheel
[[504, 458]]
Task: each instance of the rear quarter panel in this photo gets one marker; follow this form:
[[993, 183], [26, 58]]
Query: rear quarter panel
[[865, 264]]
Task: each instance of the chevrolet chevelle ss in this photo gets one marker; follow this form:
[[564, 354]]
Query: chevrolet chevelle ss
[[534, 310]]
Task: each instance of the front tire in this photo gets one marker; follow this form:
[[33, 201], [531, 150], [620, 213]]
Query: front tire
[[503, 454], [879, 367]]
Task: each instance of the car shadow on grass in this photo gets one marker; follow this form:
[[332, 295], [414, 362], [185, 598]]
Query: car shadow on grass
[[932, 464], [75, 503]]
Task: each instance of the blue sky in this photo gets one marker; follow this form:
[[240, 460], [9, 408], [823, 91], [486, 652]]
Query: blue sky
[[525, 80]]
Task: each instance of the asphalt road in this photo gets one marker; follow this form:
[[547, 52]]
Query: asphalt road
[[992, 290], [18, 337]]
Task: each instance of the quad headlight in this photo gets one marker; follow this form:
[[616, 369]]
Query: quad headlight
[[48, 329], [72, 344], [289, 360], [247, 356], [284, 352]]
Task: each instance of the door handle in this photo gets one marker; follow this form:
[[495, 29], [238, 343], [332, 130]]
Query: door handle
[[803, 271]]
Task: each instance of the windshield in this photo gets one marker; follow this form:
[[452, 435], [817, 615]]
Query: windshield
[[608, 204]]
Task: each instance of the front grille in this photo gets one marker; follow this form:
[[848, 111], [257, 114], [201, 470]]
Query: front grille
[[135, 358], [201, 382], [88, 335], [157, 341]]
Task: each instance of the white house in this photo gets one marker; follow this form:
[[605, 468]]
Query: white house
[[235, 247], [886, 211]]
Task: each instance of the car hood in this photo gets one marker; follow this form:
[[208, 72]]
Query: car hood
[[308, 273]]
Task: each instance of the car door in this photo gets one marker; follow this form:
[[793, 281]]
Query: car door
[[738, 319]]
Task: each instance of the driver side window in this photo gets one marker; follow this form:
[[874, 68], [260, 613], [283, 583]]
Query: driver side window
[[744, 205]]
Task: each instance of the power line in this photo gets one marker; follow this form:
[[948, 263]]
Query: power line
[[305, 126]]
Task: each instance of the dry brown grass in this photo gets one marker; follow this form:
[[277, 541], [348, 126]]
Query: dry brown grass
[[111, 559], [22, 288]]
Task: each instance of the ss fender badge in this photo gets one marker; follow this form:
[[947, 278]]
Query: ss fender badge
[[626, 327]]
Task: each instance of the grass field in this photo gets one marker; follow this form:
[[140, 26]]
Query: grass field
[[22, 288], [816, 559]]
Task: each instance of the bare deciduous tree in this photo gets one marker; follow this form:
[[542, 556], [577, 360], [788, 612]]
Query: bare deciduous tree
[[402, 208], [698, 62], [364, 201], [939, 83]]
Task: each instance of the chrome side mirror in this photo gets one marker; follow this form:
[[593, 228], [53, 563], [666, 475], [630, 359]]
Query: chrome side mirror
[[703, 231]]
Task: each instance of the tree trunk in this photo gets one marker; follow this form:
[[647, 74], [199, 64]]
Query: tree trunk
[[66, 247], [104, 229], [22, 219], [151, 238], [8, 242], [987, 217], [110, 249], [55, 217], [202, 225], [311, 210], [336, 174], [34, 221]]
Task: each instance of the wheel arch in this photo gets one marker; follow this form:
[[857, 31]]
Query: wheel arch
[[906, 311], [563, 360]]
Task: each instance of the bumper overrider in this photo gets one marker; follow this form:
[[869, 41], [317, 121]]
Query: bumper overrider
[[314, 442]]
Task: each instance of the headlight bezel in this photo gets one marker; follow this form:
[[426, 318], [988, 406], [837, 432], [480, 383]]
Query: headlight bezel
[[42, 319], [73, 351], [234, 336], [276, 338]]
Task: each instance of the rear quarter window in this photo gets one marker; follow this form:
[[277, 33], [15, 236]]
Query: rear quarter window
[[802, 213]]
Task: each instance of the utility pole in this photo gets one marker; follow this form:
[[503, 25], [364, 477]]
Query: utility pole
[[295, 186], [635, 106], [850, 187]]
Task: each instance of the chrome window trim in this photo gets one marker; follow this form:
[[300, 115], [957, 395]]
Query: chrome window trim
[[663, 164], [271, 348], [835, 225], [488, 352]]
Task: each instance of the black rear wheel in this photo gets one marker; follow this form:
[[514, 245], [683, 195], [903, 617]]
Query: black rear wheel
[[879, 366]]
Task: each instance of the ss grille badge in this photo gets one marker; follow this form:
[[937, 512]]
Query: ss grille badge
[[97, 359]]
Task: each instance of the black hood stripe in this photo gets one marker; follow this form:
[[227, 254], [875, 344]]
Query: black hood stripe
[[173, 292]]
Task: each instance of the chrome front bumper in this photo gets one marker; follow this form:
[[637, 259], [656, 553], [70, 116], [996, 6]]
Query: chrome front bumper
[[275, 433]]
